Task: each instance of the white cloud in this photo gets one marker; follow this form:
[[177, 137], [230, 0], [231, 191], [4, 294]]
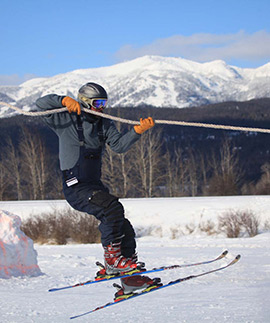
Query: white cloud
[[205, 47], [15, 79]]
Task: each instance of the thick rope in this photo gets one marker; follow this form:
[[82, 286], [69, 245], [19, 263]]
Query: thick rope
[[168, 122]]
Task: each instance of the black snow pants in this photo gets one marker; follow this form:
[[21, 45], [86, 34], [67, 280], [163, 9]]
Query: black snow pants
[[85, 192]]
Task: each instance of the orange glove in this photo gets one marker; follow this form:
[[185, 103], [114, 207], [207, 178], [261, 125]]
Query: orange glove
[[145, 124], [71, 104]]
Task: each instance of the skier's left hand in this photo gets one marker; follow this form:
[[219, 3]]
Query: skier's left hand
[[145, 124]]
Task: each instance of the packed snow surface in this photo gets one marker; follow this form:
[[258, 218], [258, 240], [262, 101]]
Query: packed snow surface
[[240, 293]]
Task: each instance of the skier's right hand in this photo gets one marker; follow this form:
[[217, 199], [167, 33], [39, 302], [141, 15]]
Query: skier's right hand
[[71, 104]]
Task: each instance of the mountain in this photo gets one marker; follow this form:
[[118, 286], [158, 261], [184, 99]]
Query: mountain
[[151, 80]]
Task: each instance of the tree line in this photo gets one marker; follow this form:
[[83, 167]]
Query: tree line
[[156, 166]]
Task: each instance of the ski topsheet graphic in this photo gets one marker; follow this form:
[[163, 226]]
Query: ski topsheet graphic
[[158, 287], [111, 277]]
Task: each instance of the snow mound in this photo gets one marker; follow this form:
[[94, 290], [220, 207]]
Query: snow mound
[[17, 254]]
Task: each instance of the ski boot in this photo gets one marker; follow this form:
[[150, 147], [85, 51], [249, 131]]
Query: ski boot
[[116, 263], [134, 283]]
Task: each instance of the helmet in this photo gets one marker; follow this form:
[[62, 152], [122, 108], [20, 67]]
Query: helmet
[[92, 95]]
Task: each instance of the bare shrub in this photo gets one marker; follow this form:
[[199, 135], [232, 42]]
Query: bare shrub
[[60, 227], [190, 228], [85, 229], [229, 223], [249, 222], [266, 226], [234, 222], [176, 232], [60, 230], [35, 228], [208, 227]]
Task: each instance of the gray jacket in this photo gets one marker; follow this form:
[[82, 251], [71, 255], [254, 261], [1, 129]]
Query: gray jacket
[[63, 126]]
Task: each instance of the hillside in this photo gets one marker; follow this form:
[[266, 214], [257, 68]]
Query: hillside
[[153, 81]]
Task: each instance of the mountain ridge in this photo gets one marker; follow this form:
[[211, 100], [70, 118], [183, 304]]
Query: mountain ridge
[[150, 80]]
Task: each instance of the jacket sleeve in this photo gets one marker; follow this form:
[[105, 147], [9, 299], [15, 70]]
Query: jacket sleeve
[[51, 102], [120, 143]]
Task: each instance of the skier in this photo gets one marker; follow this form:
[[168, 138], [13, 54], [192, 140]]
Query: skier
[[82, 137]]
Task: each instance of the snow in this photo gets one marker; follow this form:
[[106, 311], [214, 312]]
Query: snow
[[17, 255], [154, 80], [151, 215], [238, 294]]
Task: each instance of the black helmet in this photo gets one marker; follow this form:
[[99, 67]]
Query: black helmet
[[92, 95]]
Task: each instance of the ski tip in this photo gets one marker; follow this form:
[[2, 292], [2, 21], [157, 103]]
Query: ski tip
[[224, 253], [237, 257]]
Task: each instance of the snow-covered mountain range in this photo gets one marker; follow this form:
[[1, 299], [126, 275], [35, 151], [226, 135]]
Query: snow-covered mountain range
[[152, 80]]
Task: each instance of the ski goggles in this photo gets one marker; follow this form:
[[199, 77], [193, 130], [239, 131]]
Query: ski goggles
[[95, 103]]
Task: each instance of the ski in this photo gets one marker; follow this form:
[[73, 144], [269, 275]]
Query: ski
[[155, 288], [134, 273]]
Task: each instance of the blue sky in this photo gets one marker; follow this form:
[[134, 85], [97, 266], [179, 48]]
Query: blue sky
[[48, 37]]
